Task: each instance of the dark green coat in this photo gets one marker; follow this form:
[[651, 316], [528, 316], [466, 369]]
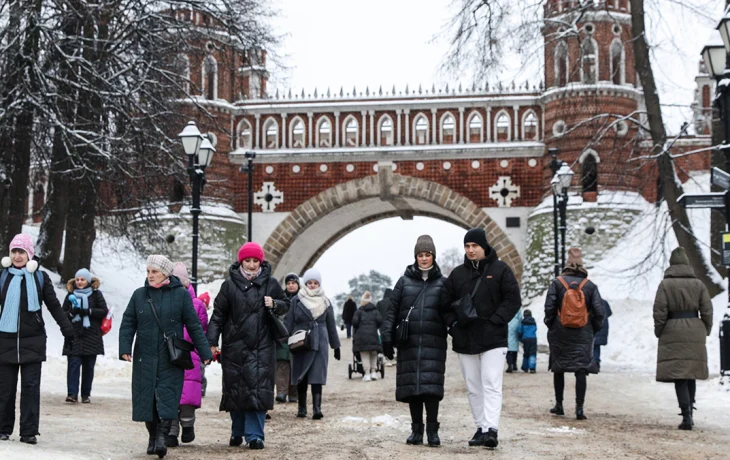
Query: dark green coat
[[154, 379], [282, 348]]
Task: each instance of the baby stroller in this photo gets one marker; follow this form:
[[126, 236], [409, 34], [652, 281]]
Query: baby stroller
[[356, 366]]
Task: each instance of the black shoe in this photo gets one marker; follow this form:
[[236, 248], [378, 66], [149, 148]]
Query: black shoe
[[432, 433], [558, 409], [509, 369], [479, 438], [579, 415], [416, 437], [686, 419], [172, 441], [292, 399], [72, 399], [268, 416], [302, 400], [4, 437], [491, 440], [29, 439], [317, 407], [532, 371], [188, 434], [302, 411], [152, 430], [256, 444], [85, 400], [280, 398], [235, 441], [163, 430]]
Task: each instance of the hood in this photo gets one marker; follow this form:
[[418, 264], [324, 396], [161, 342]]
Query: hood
[[387, 293], [368, 307], [412, 271], [679, 271], [529, 321], [71, 284]]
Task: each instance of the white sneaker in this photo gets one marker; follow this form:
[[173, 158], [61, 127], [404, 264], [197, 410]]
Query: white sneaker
[[374, 376], [366, 378]]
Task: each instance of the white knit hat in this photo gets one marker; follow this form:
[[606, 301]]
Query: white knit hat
[[161, 263], [366, 298], [312, 274]]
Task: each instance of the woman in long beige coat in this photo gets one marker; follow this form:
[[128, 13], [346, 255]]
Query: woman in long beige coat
[[682, 321]]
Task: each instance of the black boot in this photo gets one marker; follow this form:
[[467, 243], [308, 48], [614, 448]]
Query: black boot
[[432, 433], [416, 437], [188, 434], [558, 409], [172, 441], [317, 407], [302, 403], [492, 439], [686, 418], [509, 368], [163, 429], [579, 415], [152, 430]]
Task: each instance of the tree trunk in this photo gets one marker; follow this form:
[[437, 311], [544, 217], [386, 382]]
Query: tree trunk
[[80, 229], [672, 188], [50, 238]]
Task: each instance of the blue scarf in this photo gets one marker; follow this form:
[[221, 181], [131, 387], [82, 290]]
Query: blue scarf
[[11, 309], [82, 295]]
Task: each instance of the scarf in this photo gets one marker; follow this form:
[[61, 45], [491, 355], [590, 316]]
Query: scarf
[[249, 275], [314, 300], [82, 303], [164, 283], [425, 272], [11, 309]]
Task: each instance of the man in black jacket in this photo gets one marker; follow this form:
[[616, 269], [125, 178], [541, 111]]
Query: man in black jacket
[[482, 343]]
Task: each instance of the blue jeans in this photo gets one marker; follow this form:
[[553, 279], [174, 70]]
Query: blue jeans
[[85, 364], [597, 353], [249, 424]]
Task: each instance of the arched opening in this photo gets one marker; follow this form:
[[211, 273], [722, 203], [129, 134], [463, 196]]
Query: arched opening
[[561, 64], [271, 128], [589, 61], [589, 173], [210, 78], [385, 130], [245, 140], [351, 132], [448, 129], [421, 130], [476, 133], [324, 132], [617, 63], [503, 127], [529, 127], [297, 134]]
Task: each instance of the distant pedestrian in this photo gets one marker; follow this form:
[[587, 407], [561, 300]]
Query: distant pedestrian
[[601, 338], [348, 313], [312, 311], [573, 314], [513, 342], [205, 298], [383, 304], [682, 321], [86, 308], [284, 387], [366, 341], [527, 331]]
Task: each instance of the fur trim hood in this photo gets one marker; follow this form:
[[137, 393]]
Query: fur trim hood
[[95, 282]]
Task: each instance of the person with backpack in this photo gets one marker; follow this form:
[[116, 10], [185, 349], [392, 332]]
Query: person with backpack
[[527, 332], [573, 314], [23, 336]]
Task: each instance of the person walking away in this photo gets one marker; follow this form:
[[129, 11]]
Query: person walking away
[[527, 332], [192, 393], [23, 336], [284, 386], [348, 312], [513, 342], [242, 315], [419, 297], [311, 310], [573, 314], [86, 309], [601, 338], [366, 341], [481, 343], [382, 307], [205, 298], [682, 321]]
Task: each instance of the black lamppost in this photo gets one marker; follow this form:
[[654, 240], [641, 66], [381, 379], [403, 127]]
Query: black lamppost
[[560, 185], [200, 153], [248, 167], [554, 166]]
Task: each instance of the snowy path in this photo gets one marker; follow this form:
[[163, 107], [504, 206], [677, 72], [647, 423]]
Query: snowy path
[[630, 416]]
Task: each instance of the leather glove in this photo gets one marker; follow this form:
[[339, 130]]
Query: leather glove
[[84, 312], [388, 350], [337, 354]]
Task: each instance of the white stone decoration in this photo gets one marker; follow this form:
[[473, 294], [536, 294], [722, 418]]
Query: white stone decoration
[[504, 163], [559, 128], [420, 166], [394, 167], [447, 165], [268, 197], [350, 168], [475, 164], [269, 169], [532, 162], [504, 191], [323, 168], [375, 167], [296, 169]]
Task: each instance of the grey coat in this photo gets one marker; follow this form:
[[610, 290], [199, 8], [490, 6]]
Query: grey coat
[[312, 364], [367, 321], [682, 353]]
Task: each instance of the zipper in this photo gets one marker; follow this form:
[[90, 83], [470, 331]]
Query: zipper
[[17, 336], [420, 338]]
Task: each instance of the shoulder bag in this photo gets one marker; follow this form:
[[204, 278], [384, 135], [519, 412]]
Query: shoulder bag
[[401, 330], [178, 349], [279, 331], [466, 313]]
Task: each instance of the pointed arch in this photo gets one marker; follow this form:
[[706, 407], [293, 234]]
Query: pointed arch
[[447, 124], [297, 135], [385, 130], [530, 131], [475, 126], [182, 67], [324, 132], [503, 126], [271, 134], [589, 61], [244, 135], [420, 129], [617, 62], [562, 64], [589, 170], [210, 77], [351, 131]]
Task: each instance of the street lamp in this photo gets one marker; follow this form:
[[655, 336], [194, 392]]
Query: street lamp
[[200, 154], [248, 167], [554, 166], [560, 185]]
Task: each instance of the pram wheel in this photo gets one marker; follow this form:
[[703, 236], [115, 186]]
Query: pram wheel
[[381, 365], [349, 371]]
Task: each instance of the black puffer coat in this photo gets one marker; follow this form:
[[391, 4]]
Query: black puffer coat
[[571, 349], [367, 321], [87, 340], [422, 359], [248, 352], [28, 345], [348, 311], [496, 302]]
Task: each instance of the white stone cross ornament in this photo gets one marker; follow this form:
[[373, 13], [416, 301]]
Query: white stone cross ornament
[[268, 197], [504, 191]]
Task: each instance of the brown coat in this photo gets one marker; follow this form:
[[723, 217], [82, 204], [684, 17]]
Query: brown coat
[[682, 353]]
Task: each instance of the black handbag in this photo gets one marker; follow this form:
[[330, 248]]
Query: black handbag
[[466, 313], [401, 330], [279, 331], [300, 341], [179, 349]]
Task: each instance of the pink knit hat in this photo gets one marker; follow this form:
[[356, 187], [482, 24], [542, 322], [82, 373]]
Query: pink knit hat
[[182, 273], [251, 249], [24, 242]]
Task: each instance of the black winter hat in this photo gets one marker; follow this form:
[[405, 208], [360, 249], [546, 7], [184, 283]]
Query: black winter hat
[[527, 312], [291, 277], [478, 236]]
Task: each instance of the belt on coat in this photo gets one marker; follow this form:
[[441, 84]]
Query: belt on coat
[[683, 314]]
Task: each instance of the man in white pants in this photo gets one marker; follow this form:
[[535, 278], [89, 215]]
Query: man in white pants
[[480, 335]]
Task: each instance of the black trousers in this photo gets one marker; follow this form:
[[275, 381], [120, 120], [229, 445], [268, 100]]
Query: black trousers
[[512, 358], [685, 390], [432, 410], [30, 397], [580, 386]]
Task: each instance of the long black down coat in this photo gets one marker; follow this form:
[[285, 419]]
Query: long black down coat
[[422, 359], [87, 340], [367, 321], [28, 345], [571, 349], [496, 302], [248, 352]]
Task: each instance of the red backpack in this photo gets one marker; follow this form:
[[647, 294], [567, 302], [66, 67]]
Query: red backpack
[[573, 312]]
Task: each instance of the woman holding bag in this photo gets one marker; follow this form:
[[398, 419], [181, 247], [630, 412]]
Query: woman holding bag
[[417, 297], [156, 382]]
